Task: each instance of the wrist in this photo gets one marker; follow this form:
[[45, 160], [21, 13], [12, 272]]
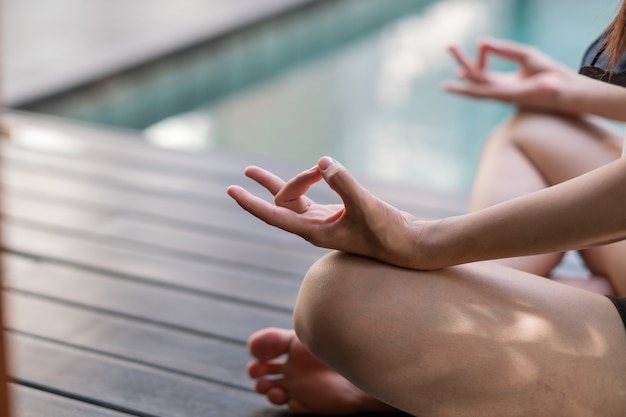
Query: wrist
[[444, 243], [427, 245]]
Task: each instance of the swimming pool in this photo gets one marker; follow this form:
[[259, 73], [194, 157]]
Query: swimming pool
[[376, 104], [372, 101]]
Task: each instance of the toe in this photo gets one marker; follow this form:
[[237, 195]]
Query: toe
[[297, 407], [277, 395], [264, 385], [270, 343], [272, 390], [258, 369]]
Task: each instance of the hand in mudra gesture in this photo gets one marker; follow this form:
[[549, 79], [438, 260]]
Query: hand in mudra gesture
[[537, 83], [362, 225]]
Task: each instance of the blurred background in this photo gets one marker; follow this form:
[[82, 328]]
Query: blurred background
[[359, 80]]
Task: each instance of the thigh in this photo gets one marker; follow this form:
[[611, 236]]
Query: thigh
[[474, 340], [562, 147], [608, 261]]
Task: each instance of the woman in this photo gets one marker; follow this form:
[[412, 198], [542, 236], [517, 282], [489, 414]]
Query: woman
[[405, 311]]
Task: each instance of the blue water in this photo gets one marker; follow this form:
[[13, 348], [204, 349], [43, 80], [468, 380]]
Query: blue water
[[376, 104]]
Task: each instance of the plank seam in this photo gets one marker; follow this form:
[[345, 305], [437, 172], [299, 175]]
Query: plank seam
[[131, 360]]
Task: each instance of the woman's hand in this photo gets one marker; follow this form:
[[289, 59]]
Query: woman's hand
[[537, 83], [362, 225]]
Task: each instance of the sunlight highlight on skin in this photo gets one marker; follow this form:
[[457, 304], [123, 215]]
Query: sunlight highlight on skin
[[594, 344], [524, 327]]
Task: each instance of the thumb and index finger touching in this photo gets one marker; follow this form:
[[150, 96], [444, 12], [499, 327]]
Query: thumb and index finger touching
[[480, 83], [291, 194], [340, 180], [505, 49]]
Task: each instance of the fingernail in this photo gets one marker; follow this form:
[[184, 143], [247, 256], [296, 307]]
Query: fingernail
[[326, 162]]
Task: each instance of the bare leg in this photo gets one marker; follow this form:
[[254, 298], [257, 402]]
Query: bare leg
[[531, 151], [474, 340]]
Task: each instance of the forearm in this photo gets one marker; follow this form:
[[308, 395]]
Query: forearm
[[582, 212], [584, 95]]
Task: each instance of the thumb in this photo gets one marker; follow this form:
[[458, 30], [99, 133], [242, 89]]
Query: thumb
[[341, 181]]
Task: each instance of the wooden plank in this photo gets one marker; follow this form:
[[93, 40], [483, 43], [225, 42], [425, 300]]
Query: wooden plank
[[131, 388], [133, 177], [221, 216], [148, 344], [164, 183], [125, 386], [184, 311], [30, 402], [155, 238], [259, 287]]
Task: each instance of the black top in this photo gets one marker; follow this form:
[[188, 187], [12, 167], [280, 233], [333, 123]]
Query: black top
[[595, 64]]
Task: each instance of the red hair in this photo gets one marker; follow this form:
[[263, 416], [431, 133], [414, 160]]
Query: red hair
[[616, 37]]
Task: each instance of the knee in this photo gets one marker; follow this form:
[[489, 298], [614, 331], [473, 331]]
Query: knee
[[527, 128], [325, 307], [318, 300]]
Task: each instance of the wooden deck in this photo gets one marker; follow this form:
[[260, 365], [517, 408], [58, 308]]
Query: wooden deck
[[134, 281]]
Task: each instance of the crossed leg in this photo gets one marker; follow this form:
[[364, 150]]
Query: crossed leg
[[474, 340]]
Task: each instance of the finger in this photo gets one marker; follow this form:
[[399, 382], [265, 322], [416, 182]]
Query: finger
[[483, 53], [292, 194], [268, 180], [343, 183], [252, 204], [461, 57], [463, 89], [468, 68], [483, 91], [280, 217]]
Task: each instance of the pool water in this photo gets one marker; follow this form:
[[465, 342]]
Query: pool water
[[376, 104]]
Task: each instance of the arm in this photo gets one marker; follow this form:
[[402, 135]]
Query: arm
[[591, 96], [539, 83], [582, 212]]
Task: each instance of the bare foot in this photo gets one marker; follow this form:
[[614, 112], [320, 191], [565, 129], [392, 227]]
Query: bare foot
[[301, 381]]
